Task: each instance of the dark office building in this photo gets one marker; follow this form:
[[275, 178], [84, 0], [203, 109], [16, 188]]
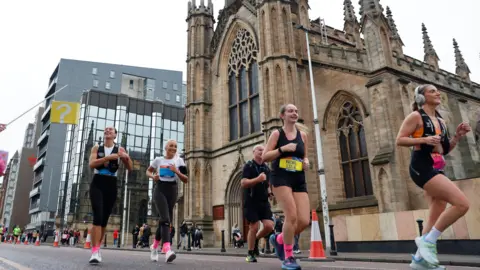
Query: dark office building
[[143, 128]]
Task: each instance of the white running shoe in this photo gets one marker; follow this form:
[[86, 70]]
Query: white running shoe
[[170, 256], [427, 250], [153, 254], [96, 258]]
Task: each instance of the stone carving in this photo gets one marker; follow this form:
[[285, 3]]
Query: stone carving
[[222, 23], [243, 53]]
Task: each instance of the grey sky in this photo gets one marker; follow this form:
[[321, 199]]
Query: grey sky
[[152, 33]]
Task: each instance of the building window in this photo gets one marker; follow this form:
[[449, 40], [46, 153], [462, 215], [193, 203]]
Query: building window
[[95, 83], [244, 105], [177, 98], [131, 84], [175, 86], [107, 85], [167, 96], [353, 149], [164, 84], [94, 71], [112, 74]]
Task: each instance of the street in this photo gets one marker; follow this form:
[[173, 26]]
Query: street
[[21, 257]]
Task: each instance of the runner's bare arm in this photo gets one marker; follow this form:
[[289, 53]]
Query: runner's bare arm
[[127, 161], [408, 127], [94, 161], [269, 153], [150, 171]]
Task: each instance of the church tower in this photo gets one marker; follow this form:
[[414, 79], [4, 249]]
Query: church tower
[[382, 40], [198, 208], [281, 45]]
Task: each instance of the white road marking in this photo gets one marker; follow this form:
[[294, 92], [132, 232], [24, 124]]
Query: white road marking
[[14, 264]]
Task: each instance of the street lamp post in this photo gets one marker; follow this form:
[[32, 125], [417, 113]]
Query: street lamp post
[[321, 168]]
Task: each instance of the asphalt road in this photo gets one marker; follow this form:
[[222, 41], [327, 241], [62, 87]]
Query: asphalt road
[[21, 257]]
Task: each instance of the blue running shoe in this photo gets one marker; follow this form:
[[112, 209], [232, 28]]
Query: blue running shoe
[[291, 264], [278, 248]]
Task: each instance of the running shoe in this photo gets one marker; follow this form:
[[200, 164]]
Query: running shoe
[[291, 264], [96, 258], [170, 256], [153, 254], [424, 265], [251, 258], [278, 248], [427, 250]]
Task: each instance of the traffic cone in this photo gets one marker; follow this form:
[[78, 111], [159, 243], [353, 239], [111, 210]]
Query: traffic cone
[[37, 243], [88, 241], [26, 241], [316, 245], [55, 242]]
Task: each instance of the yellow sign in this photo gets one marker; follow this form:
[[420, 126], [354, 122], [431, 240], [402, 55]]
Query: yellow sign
[[64, 112]]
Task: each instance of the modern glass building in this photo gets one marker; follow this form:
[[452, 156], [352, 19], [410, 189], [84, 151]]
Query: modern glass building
[[143, 128]]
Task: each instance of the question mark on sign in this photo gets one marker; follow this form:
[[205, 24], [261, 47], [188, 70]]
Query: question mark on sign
[[68, 109]]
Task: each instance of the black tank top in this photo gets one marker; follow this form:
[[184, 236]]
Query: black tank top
[[299, 152], [113, 165]]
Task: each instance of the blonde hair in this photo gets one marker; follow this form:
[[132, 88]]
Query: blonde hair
[[167, 143], [302, 127]]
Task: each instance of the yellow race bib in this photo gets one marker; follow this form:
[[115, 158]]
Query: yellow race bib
[[291, 164]]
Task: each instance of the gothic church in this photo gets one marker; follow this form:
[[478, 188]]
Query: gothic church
[[249, 61]]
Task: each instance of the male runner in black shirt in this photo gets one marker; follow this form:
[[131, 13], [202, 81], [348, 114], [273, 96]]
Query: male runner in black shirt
[[256, 192]]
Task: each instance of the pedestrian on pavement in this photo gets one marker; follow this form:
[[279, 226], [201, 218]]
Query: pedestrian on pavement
[[424, 129], [257, 209], [135, 233], [287, 150], [115, 237], [165, 172], [105, 160], [183, 235]]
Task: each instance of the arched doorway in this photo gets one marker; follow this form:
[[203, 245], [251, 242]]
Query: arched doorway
[[234, 206]]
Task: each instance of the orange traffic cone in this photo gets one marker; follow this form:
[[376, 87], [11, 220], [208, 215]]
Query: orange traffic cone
[[88, 241], [26, 241], [316, 245], [55, 242], [37, 243]]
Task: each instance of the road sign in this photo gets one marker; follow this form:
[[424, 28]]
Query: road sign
[[64, 112]]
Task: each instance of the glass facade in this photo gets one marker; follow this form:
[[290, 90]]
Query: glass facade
[[143, 127]]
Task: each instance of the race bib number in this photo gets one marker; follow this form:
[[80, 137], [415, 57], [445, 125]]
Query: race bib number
[[291, 164]]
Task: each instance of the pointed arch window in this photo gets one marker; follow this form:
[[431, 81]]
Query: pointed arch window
[[353, 150], [244, 103]]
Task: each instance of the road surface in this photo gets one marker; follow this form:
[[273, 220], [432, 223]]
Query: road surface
[[21, 257]]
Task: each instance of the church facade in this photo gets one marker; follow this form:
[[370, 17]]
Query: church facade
[[243, 66]]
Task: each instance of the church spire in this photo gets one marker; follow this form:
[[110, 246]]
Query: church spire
[[351, 25], [349, 12], [431, 56], [393, 26], [462, 69], [370, 8]]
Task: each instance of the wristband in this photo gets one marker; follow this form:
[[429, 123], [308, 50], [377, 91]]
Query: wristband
[[280, 150]]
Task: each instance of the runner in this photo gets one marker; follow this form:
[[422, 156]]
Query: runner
[[104, 159], [256, 193], [425, 131], [287, 149], [169, 169]]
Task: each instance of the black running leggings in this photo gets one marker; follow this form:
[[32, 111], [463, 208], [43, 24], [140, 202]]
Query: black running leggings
[[103, 194], [164, 197]]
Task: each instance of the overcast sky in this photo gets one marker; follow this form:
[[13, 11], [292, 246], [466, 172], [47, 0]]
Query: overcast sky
[[152, 33]]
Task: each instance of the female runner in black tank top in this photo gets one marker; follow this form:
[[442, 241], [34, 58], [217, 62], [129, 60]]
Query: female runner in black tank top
[[287, 150], [430, 144]]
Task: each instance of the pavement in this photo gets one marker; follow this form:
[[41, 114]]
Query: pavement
[[445, 259], [23, 257]]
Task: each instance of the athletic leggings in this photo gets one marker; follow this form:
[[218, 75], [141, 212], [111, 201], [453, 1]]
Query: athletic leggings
[[103, 194], [164, 197]]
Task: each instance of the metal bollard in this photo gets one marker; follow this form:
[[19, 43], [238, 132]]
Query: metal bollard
[[189, 248], [105, 241], [333, 248], [118, 241], [223, 242], [420, 225]]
